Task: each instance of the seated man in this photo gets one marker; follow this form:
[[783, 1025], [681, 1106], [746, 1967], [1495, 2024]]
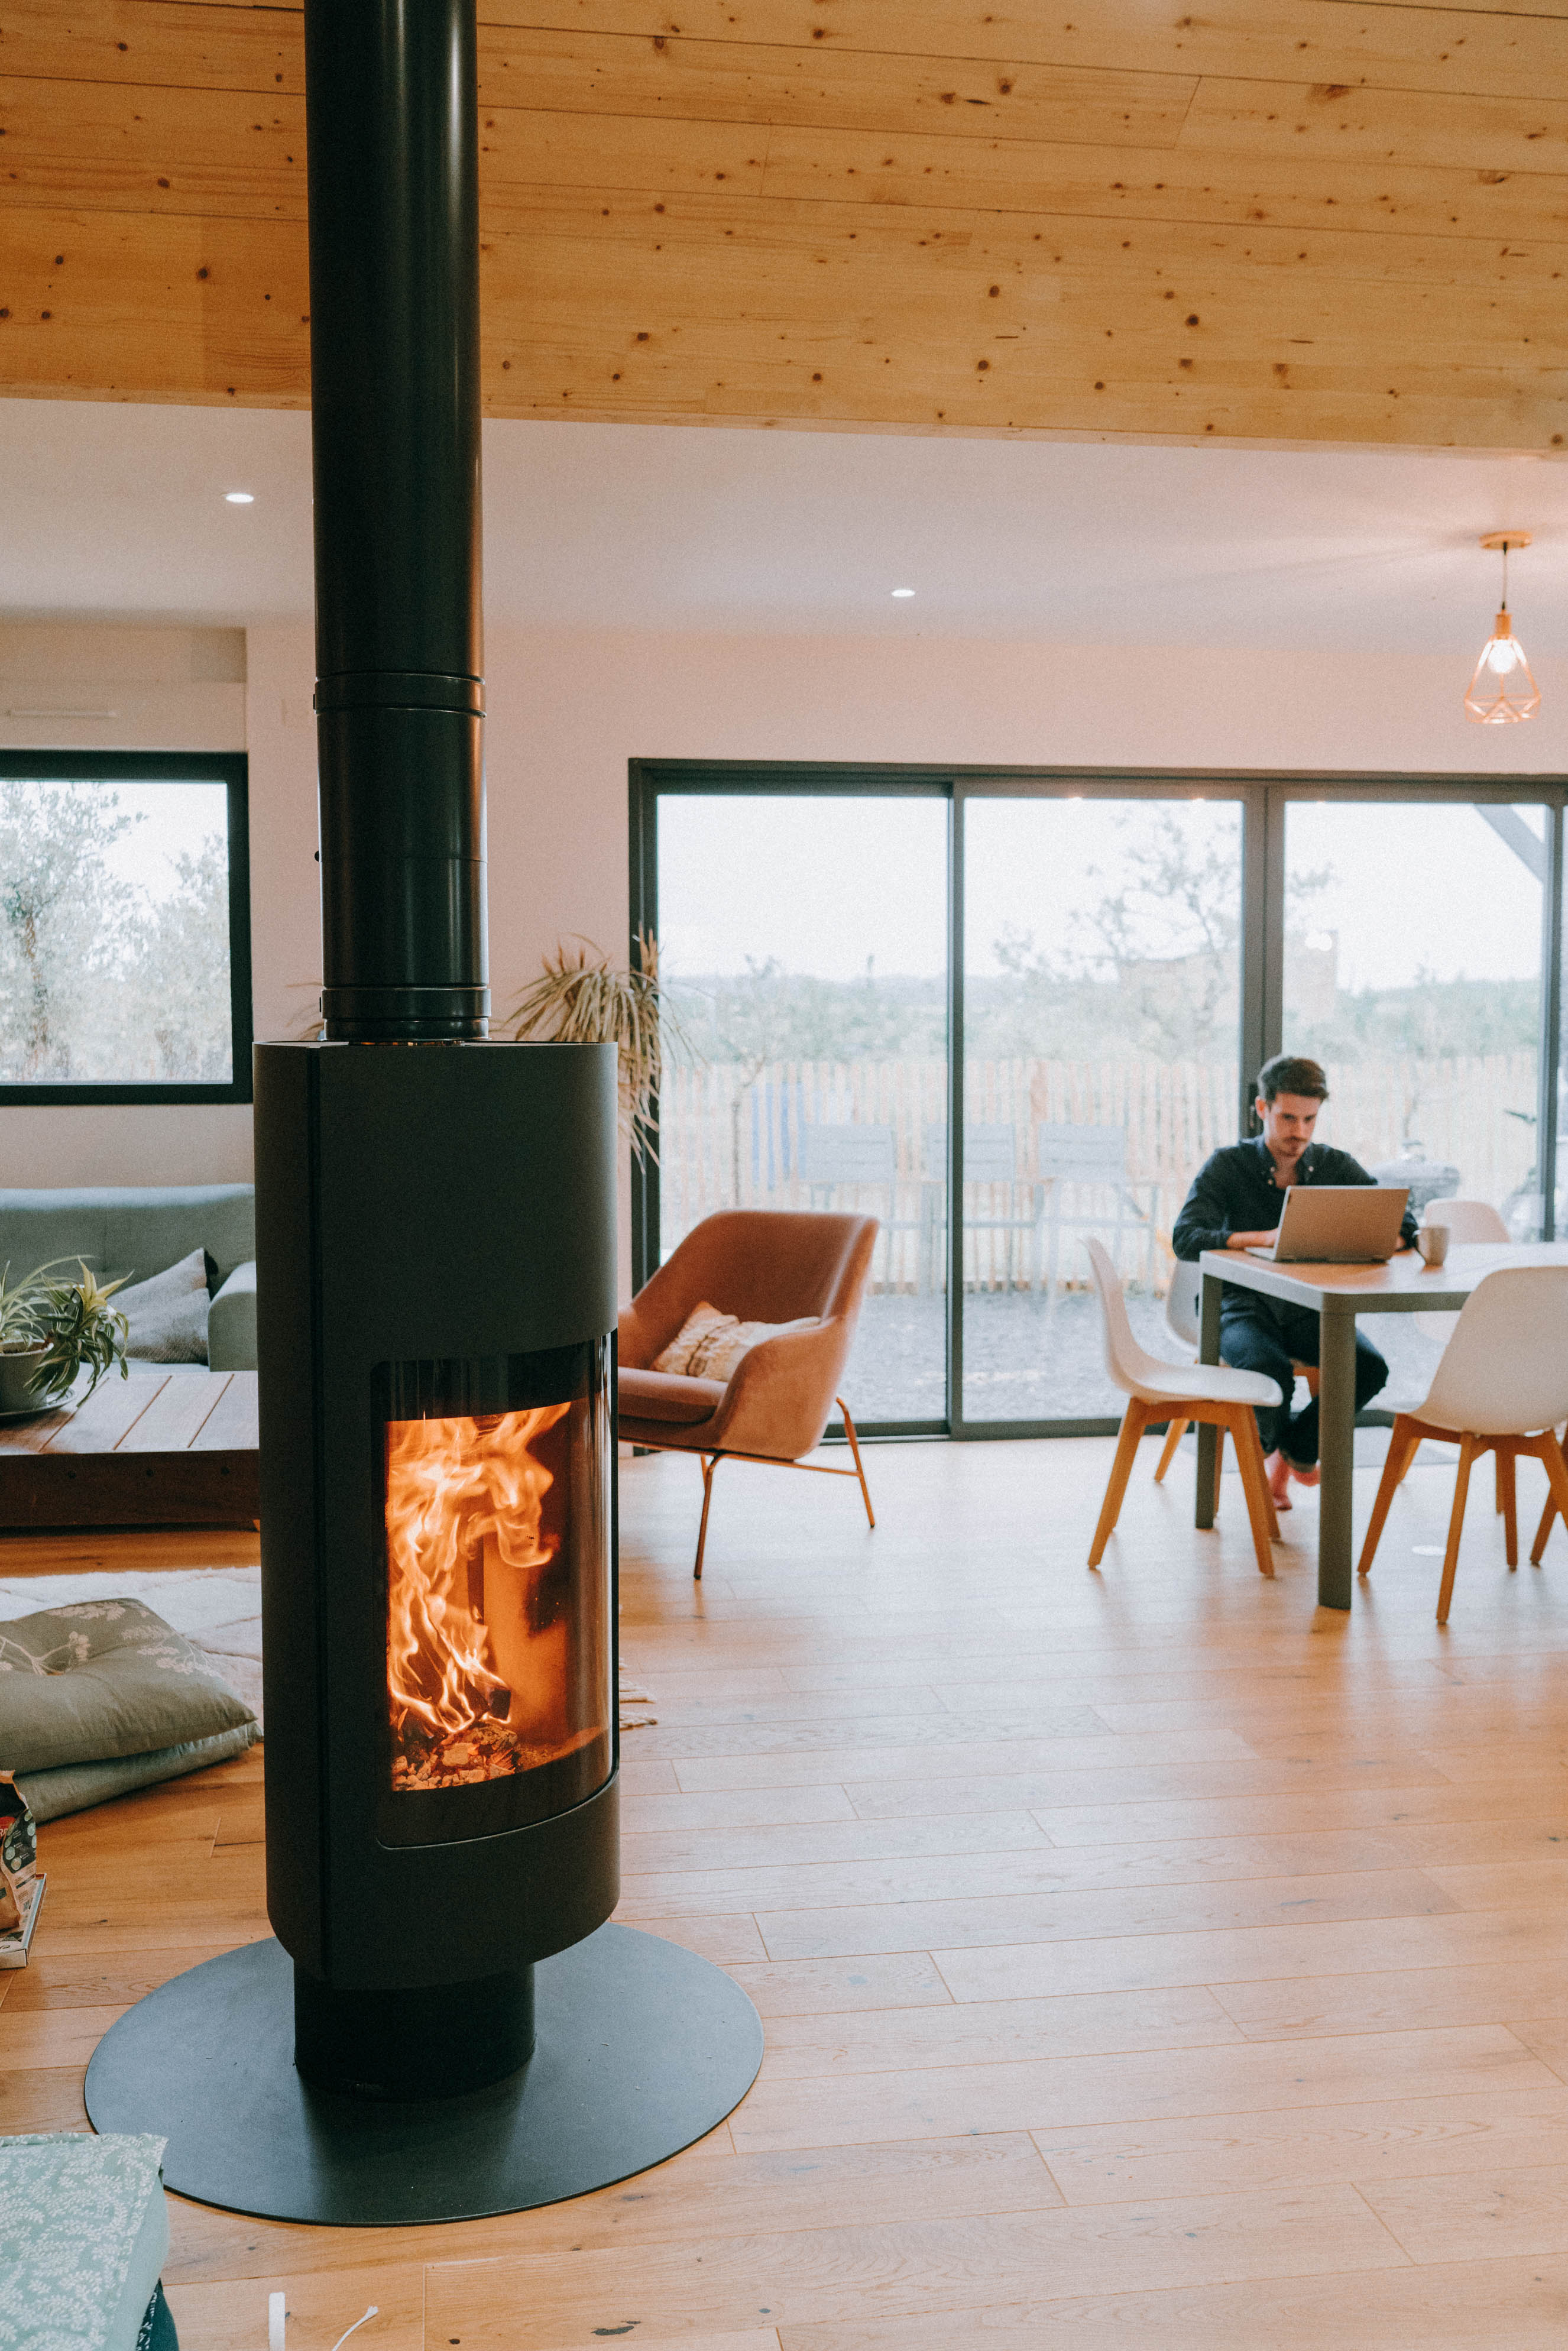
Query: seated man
[[1236, 1202]]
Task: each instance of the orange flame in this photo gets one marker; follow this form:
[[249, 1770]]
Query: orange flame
[[463, 1496]]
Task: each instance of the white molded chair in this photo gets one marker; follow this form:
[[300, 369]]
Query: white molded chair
[[1183, 1300], [1467, 1220], [1156, 1391], [1501, 1387]]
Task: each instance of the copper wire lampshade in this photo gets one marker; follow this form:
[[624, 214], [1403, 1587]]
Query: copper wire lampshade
[[1502, 690]]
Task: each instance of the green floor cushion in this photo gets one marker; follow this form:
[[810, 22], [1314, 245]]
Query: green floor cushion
[[102, 1679], [76, 1787], [83, 2231]]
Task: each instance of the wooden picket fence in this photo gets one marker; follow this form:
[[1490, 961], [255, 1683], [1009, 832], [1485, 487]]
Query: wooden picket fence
[[732, 1139]]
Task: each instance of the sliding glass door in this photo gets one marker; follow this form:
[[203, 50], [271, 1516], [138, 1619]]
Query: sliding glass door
[[1101, 1013], [803, 942], [1114, 956], [1416, 937]]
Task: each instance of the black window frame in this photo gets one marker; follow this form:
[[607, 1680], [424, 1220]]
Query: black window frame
[[1264, 797], [230, 769]]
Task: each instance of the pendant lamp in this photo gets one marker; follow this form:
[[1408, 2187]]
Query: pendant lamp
[[1502, 690]]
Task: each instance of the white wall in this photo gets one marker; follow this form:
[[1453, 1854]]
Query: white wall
[[568, 710]]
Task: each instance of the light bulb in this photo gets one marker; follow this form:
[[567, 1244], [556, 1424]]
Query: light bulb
[[239, 497], [1502, 690]]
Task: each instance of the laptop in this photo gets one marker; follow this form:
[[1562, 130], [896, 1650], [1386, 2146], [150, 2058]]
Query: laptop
[[1338, 1224]]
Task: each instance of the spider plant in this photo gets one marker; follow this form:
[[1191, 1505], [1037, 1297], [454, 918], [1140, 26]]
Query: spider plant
[[580, 997], [65, 1325]]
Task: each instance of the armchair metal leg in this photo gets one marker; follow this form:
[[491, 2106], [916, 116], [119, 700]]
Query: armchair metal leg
[[709, 1466], [860, 1466]]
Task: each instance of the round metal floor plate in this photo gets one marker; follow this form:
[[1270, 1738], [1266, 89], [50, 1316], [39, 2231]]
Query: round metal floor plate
[[642, 2047]]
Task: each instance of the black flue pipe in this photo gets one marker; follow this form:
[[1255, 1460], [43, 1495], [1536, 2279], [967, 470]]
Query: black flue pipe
[[393, 123]]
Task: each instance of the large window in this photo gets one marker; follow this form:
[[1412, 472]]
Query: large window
[[124, 932], [1045, 996], [804, 940]]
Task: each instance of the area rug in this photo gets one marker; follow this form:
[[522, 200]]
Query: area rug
[[218, 1609]]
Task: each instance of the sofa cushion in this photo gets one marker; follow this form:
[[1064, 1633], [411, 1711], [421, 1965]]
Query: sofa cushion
[[140, 1229], [100, 1679], [231, 1325], [167, 1317], [709, 1343], [666, 1397]]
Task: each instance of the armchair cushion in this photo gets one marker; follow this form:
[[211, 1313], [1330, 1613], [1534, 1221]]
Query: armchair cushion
[[667, 1396], [709, 1343]]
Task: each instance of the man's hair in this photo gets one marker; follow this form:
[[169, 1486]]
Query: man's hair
[[1292, 1074]]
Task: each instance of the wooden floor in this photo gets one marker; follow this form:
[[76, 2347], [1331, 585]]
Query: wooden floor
[[1145, 1958]]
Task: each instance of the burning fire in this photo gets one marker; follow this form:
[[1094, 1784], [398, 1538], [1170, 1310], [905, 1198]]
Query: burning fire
[[477, 1668]]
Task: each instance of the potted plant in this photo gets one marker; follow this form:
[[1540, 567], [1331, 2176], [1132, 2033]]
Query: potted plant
[[580, 997], [50, 1330]]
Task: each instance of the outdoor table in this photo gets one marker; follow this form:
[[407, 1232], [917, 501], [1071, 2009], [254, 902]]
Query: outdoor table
[[1337, 1294]]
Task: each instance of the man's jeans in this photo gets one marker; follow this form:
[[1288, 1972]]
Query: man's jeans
[[1264, 1335]]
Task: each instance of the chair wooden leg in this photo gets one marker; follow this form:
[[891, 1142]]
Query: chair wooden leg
[[1219, 1463], [1551, 1455], [1402, 1446], [1254, 1482], [1134, 1420], [1553, 1508], [860, 1466], [1178, 1431], [1468, 1448], [1508, 1497], [1257, 1443], [708, 1469]]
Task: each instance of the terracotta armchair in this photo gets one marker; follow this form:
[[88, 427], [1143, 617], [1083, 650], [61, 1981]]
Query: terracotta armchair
[[765, 1266]]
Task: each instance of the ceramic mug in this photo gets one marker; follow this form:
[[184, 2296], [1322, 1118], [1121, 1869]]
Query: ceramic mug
[[1432, 1241]]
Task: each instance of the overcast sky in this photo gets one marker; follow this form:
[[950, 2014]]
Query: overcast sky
[[823, 883]]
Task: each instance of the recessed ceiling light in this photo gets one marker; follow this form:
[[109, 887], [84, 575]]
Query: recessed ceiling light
[[903, 592], [239, 497]]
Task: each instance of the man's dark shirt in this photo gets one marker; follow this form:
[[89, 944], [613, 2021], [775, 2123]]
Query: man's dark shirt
[[1233, 1192]]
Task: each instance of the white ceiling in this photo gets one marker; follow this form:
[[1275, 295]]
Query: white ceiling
[[115, 511]]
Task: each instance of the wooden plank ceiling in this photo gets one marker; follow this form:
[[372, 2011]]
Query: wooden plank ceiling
[[1280, 220]]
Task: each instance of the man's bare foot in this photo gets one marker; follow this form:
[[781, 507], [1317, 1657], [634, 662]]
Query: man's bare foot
[[1279, 1470], [1307, 1477]]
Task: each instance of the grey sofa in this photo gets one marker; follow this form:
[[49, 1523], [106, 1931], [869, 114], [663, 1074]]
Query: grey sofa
[[143, 1230]]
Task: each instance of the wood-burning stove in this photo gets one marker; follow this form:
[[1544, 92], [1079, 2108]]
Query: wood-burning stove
[[436, 1305], [435, 1300]]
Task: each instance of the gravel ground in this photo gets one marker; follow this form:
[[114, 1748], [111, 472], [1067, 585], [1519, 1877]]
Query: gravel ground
[[1025, 1361]]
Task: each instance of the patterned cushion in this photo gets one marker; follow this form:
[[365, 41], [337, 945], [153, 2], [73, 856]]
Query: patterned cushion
[[709, 1344], [100, 1679], [83, 2231]]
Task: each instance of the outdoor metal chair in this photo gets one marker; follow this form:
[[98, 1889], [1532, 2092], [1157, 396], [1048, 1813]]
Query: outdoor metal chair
[[1084, 1157], [991, 1157], [856, 1156]]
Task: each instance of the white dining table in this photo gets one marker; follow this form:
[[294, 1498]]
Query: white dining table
[[1338, 1295]]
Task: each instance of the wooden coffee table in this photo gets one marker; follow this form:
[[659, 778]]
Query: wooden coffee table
[[156, 1448]]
